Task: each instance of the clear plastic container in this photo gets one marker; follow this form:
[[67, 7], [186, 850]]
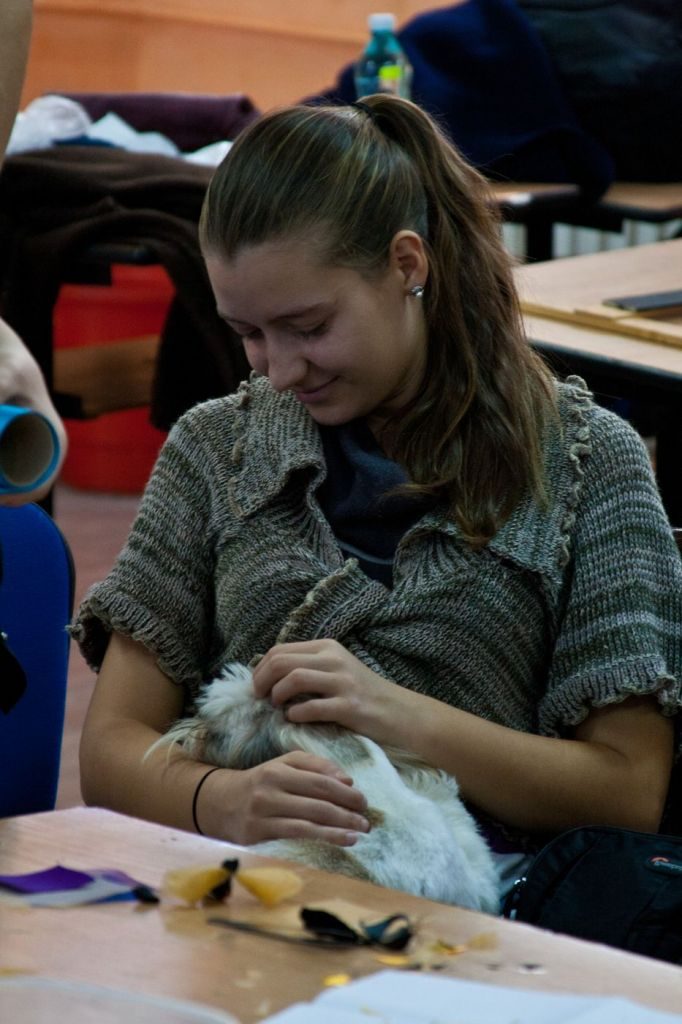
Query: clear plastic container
[[383, 66]]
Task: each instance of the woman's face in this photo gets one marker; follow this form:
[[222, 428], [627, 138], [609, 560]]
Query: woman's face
[[346, 345]]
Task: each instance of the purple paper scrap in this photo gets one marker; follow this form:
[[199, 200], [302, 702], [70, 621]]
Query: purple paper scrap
[[56, 879]]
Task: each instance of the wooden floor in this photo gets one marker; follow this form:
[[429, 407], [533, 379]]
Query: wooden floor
[[95, 526]]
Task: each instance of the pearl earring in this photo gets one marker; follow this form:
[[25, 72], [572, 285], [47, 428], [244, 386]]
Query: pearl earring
[[417, 290]]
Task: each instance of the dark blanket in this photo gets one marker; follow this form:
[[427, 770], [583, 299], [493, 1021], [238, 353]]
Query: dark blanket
[[481, 69], [56, 203], [620, 65]]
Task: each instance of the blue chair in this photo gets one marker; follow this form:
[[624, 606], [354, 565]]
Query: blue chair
[[36, 603]]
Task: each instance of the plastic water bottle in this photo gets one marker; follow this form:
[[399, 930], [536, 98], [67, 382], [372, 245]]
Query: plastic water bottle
[[383, 66]]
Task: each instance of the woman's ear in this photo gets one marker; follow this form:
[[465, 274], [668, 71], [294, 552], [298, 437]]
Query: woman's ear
[[407, 255]]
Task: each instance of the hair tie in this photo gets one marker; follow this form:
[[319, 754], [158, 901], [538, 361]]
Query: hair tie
[[366, 109], [382, 123], [200, 783]]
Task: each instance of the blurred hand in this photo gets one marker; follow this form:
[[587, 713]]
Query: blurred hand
[[22, 383]]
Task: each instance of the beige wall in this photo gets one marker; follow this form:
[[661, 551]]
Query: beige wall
[[276, 51]]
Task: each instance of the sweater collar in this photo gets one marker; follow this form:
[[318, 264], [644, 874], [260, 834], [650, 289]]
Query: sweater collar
[[276, 438], [535, 538], [541, 538]]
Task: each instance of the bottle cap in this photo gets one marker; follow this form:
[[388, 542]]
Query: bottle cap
[[381, 22]]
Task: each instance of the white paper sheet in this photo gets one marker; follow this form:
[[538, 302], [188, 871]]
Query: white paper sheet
[[394, 997]]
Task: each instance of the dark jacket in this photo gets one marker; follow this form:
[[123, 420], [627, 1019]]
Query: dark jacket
[[620, 65], [55, 204]]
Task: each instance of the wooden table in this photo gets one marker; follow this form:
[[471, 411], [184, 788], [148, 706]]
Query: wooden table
[[623, 201], [645, 202], [615, 364], [172, 950], [652, 201]]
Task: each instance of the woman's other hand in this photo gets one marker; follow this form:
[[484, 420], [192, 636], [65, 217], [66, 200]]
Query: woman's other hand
[[337, 686], [295, 796]]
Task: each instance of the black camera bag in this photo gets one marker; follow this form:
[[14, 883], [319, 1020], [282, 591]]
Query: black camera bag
[[607, 885]]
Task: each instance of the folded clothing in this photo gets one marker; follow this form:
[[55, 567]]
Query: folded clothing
[[190, 120]]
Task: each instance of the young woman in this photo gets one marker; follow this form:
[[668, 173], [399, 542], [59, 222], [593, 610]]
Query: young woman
[[402, 514]]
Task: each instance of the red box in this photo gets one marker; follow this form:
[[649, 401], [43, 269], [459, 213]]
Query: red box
[[116, 451]]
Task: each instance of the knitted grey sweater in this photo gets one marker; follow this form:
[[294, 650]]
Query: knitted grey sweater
[[567, 608]]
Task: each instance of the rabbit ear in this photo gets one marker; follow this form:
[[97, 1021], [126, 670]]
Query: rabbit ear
[[231, 689], [189, 733]]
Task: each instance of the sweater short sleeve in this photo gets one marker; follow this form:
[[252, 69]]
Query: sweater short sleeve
[[620, 612], [160, 591]]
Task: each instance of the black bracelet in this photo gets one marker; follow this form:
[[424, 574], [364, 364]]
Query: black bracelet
[[200, 783]]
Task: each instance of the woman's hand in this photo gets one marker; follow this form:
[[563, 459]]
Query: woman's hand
[[296, 796], [338, 686]]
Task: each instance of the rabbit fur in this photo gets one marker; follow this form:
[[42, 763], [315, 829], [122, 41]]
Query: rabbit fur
[[422, 840]]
